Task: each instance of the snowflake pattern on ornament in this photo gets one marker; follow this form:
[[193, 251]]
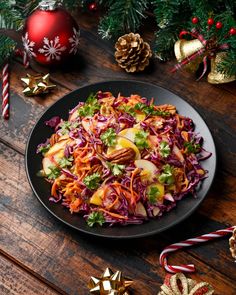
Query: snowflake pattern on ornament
[[74, 40], [28, 45], [52, 49]]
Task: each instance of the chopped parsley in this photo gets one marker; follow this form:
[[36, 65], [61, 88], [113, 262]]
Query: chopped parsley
[[153, 194], [164, 149], [191, 147], [150, 110], [66, 126], [95, 217], [140, 139], [92, 181], [109, 137], [54, 172], [116, 169], [65, 162], [43, 148], [127, 109], [167, 176], [90, 107]]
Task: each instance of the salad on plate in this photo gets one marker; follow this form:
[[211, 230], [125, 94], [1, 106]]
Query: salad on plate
[[122, 160]]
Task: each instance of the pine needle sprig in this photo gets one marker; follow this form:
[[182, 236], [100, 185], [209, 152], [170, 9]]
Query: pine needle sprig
[[122, 17]]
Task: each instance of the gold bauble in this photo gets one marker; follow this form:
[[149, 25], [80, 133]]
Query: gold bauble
[[216, 77], [184, 48]]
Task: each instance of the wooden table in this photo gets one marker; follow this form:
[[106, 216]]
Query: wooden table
[[40, 255]]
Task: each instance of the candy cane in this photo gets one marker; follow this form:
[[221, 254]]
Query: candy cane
[[188, 243], [5, 91], [23, 53]]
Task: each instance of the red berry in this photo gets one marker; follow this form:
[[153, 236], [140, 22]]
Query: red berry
[[210, 21], [195, 20], [93, 6], [232, 31], [219, 25]]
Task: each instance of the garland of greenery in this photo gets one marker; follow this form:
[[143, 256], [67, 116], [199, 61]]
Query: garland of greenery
[[123, 16]]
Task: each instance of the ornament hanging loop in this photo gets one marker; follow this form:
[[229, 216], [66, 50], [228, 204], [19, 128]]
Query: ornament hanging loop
[[47, 5]]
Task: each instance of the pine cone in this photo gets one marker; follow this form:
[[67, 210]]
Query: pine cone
[[132, 53]]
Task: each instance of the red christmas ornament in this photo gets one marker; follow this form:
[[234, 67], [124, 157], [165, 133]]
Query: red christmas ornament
[[232, 31], [195, 20], [219, 25], [210, 21], [50, 34]]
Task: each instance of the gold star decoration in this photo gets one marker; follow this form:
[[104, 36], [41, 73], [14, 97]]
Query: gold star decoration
[[35, 85], [110, 284]]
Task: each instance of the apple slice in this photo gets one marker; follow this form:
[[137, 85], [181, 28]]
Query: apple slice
[[140, 117], [47, 162], [149, 170], [86, 125], [74, 115], [129, 133], [140, 210], [122, 142], [97, 197], [60, 145]]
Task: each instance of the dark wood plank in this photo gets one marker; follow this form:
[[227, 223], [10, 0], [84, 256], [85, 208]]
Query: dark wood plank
[[64, 258], [16, 281], [67, 258]]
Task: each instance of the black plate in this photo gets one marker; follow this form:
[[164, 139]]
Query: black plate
[[42, 189]]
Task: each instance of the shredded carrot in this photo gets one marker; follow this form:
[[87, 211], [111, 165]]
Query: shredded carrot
[[54, 189]]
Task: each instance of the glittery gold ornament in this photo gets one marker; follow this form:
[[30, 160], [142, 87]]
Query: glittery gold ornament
[[110, 284], [35, 85], [179, 284], [216, 77], [184, 48]]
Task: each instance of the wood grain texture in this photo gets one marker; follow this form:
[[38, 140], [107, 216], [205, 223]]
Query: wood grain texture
[[16, 281], [66, 259], [49, 256]]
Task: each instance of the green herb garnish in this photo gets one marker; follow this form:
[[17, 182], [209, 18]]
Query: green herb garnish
[[43, 149], [92, 181], [164, 149], [90, 107], [66, 126], [116, 169], [54, 172], [150, 110], [191, 147], [153, 194], [109, 137], [167, 176], [140, 139], [65, 162], [95, 217], [127, 109]]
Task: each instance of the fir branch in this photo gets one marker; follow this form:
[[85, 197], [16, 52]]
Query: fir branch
[[10, 18], [71, 4], [123, 16], [164, 42], [6, 48]]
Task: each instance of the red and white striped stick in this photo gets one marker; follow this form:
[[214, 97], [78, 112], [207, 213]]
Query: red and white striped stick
[[5, 91], [188, 243], [23, 53]]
